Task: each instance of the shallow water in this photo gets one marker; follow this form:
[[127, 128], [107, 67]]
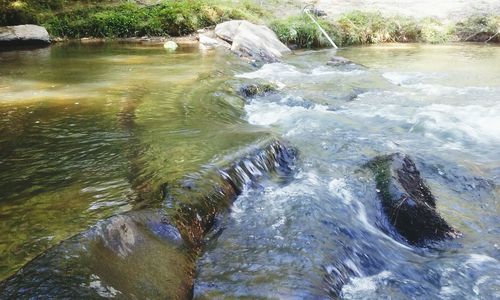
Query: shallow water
[[440, 104], [90, 131]]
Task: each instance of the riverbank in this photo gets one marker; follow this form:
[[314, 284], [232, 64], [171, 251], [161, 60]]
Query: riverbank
[[165, 19], [360, 28], [120, 19]]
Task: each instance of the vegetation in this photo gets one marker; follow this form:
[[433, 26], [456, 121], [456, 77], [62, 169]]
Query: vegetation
[[480, 28], [127, 18], [358, 28], [74, 19], [301, 32]]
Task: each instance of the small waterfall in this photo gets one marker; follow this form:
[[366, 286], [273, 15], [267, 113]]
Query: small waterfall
[[150, 253], [197, 200]]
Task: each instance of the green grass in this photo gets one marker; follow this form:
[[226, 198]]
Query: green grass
[[479, 28], [116, 19], [126, 18], [301, 32], [14, 12], [359, 28]]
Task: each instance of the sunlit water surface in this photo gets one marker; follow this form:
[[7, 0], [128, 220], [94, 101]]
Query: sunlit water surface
[[439, 104], [87, 131], [90, 131]]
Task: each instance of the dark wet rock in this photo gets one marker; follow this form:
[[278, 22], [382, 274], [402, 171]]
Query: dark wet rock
[[256, 89], [338, 61], [252, 91], [355, 93], [24, 35], [298, 102], [407, 201], [200, 199], [256, 42]]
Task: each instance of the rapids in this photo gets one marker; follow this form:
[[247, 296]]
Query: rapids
[[90, 131]]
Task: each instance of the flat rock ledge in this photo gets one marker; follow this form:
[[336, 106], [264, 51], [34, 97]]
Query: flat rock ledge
[[24, 35], [407, 201]]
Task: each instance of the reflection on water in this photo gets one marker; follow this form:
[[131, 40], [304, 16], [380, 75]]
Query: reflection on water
[[90, 131]]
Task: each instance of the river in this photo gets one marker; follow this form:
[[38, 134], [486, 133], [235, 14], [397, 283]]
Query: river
[[89, 131]]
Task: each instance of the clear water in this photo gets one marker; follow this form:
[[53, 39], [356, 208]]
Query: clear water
[[90, 131], [441, 105]]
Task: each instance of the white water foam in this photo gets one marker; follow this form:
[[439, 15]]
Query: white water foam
[[476, 260], [447, 123], [425, 84], [281, 73], [360, 286], [479, 123], [400, 78], [338, 187]]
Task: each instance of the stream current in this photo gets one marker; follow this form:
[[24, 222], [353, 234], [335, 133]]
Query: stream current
[[90, 131]]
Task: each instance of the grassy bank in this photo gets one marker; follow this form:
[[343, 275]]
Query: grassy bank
[[358, 28], [127, 18], [75, 19]]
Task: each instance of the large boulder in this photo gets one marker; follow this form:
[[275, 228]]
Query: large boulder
[[210, 40], [254, 41], [407, 201], [21, 35]]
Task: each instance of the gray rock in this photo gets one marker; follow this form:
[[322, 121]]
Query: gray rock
[[407, 201], [210, 40], [339, 61], [254, 41], [21, 35], [170, 45]]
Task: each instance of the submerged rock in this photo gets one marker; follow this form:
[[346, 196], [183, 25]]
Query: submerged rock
[[137, 254], [254, 41], [407, 201], [201, 198], [148, 254], [256, 89], [24, 35], [339, 61]]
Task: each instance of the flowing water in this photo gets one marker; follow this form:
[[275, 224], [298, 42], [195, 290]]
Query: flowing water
[[91, 131], [88, 131]]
